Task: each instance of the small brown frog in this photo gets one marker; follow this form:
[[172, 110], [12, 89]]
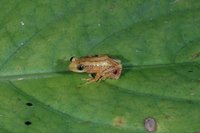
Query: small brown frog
[[103, 66]]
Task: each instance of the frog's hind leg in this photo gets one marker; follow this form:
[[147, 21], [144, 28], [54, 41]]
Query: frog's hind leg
[[105, 76], [113, 73], [117, 72]]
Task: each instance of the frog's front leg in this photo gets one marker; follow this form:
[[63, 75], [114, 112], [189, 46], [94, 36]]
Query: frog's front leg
[[93, 79], [88, 79]]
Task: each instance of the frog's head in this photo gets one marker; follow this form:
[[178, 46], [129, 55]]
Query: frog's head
[[76, 65]]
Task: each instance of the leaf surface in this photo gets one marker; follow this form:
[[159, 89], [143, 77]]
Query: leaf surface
[[157, 42]]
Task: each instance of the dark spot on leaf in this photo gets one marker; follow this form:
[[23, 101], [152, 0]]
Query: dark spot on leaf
[[190, 71], [150, 124], [27, 123], [29, 104], [119, 121]]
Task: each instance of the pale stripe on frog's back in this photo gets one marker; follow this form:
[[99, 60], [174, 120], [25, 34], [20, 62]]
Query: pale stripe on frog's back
[[102, 60], [97, 64]]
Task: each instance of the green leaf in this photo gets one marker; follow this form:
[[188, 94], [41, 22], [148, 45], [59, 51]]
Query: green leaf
[[157, 42]]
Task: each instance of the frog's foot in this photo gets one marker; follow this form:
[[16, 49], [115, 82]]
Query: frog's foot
[[90, 80], [86, 79]]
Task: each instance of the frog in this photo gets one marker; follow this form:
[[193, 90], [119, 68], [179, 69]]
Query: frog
[[101, 67]]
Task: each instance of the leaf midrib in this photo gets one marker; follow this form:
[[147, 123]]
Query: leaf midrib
[[56, 73]]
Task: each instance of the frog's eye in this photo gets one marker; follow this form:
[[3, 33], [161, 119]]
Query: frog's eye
[[72, 59], [80, 67]]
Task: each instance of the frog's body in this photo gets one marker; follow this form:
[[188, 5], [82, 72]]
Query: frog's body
[[103, 66]]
